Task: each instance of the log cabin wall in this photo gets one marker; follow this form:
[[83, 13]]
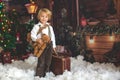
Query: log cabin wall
[[101, 44], [117, 7], [94, 8], [100, 9]]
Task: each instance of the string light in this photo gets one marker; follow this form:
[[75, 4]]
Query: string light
[[5, 45], [1, 41], [9, 29], [91, 40]]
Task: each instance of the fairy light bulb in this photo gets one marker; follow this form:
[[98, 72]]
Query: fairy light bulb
[[9, 29], [91, 40], [6, 20], [8, 40], [3, 28], [2, 23], [111, 37], [5, 45], [1, 41]]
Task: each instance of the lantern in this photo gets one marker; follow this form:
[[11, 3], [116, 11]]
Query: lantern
[[31, 8]]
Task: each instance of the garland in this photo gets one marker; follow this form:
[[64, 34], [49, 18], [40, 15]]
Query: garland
[[100, 29]]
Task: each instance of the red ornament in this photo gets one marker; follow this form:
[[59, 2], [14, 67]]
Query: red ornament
[[83, 21]]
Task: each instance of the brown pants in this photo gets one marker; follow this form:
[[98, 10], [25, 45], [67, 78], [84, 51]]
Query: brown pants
[[44, 61]]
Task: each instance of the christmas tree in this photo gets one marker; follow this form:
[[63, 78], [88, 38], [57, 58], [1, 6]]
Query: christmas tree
[[7, 38]]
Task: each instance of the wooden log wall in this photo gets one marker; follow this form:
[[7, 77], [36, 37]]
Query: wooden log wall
[[95, 8], [101, 44], [117, 6]]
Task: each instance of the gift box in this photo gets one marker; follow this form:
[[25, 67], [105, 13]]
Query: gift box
[[6, 57], [63, 50]]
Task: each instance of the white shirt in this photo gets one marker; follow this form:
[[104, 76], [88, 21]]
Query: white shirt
[[48, 31]]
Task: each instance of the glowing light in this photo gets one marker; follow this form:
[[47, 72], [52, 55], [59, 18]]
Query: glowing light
[[9, 29], [5, 45], [111, 37], [91, 40], [1, 41], [31, 8]]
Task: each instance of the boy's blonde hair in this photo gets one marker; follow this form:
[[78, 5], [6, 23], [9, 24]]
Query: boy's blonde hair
[[47, 11]]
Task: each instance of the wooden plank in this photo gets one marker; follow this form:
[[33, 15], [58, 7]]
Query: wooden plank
[[105, 38], [101, 45], [100, 51], [99, 58], [100, 42]]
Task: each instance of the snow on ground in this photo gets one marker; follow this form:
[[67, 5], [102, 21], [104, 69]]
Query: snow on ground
[[80, 70]]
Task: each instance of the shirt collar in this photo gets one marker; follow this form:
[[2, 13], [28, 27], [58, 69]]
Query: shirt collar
[[40, 24]]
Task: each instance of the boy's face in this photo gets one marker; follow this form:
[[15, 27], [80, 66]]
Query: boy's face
[[43, 18]]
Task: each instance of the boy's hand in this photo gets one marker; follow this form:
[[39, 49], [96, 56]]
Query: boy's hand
[[54, 52]]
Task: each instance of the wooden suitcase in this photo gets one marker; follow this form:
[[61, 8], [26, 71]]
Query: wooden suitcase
[[59, 64]]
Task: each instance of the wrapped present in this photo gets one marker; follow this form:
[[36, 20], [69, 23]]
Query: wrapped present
[[6, 57], [60, 49], [14, 58], [63, 50]]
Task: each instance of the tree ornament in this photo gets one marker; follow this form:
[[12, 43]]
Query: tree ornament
[[9, 30], [7, 39]]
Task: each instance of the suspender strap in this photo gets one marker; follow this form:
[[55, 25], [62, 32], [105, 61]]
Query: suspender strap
[[41, 28]]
